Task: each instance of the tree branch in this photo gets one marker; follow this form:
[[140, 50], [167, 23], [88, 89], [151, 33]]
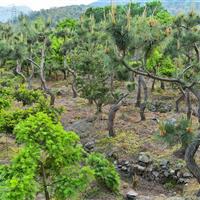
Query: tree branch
[[172, 80]]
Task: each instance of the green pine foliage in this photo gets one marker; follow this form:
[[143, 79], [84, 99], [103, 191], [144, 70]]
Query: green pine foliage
[[174, 133]]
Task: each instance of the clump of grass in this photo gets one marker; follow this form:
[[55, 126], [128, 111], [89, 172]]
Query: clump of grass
[[125, 143]]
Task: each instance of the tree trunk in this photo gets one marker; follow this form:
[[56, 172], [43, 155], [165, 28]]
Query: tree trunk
[[153, 85], [143, 105], [145, 89], [31, 76], [99, 108], [47, 196], [181, 98], [162, 85], [196, 92], [74, 87], [111, 116], [138, 99], [64, 74], [188, 103], [18, 71], [142, 110], [42, 75], [190, 161]]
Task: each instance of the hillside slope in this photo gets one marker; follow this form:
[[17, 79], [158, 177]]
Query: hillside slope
[[174, 6]]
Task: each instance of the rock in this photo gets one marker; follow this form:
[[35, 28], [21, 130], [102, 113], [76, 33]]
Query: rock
[[164, 163], [149, 168], [159, 106], [124, 168], [140, 168], [89, 145], [166, 173], [115, 162], [187, 175], [127, 163], [144, 158], [119, 166], [176, 198], [131, 195], [155, 174], [182, 181], [82, 127], [172, 172], [179, 174]]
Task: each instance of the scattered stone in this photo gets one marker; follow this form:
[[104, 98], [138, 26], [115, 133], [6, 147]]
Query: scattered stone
[[119, 166], [131, 195], [140, 168], [90, 145], [182, 181], [82, 127], [124, 168], [149, 168], [164, 163], [144, 158], [172, 172], [127, 163], [159, 106], [176, 198], [166, 174], [115, 162], [187, 175], [155, 173]]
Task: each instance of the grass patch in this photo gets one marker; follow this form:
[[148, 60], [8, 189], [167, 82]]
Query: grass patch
[[125, 143]]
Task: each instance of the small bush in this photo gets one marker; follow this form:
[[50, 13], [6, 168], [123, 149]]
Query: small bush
[[10, 118], [28, 97], [4, 103], [176, 132], [105, 171]]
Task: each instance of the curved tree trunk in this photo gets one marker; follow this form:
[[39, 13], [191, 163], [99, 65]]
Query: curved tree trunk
[[31, 76], [18, 71], [42, 75], [190, 160], [178, 101], [112, 113], [64, 74]]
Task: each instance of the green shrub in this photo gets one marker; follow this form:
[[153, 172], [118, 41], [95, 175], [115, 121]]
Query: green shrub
[[105, 172], [4, 103], [28, 97], [10, 118], [179, 132]]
